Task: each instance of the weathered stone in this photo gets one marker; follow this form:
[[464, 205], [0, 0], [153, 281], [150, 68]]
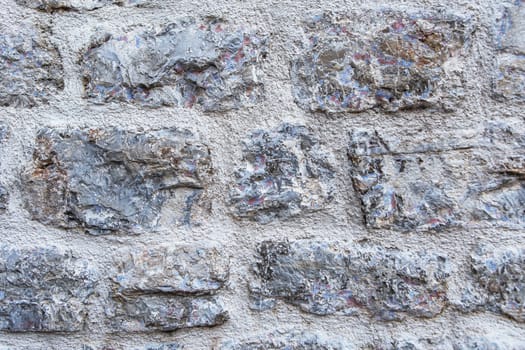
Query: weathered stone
[[168, 288], [498, 283], [509, 79], [4, 195], [44, 290], [182, 270], [287, 172], [287, 341], [30, 67], [498, 342], [324, 279], [209, 63], [425, 184], [53, 5], [111, 180], [384, 59], [171, 346]]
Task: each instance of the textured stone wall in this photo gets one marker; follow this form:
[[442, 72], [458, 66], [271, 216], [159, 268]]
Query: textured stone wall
[[252, 175]]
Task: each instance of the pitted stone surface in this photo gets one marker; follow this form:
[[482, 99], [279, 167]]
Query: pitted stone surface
[[53, 5], [414, 182], [171, 346], [31, 69], [111, 180], [44, 290], [498, 282], [4, 195], [287, 172], [384, 58], [165, 289], [509, 80], [208, 63], [179, 270], [288, 341], [499, 342], [323, 278]]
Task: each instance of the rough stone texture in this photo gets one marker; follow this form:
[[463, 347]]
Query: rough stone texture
[[287, 341], [287, 172], [498, 282], [509, 80], [172, 346], [111, 180], [431, 184], [322, 278], [53, 5], [4, 195], [31, 69], [44, 290], [385, 59], [468, 343], [208, 63], [168, 288]]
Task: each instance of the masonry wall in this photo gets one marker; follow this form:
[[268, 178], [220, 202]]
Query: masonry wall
[[262, 175]]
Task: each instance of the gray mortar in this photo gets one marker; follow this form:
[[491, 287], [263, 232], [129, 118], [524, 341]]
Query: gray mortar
[[341, 221]]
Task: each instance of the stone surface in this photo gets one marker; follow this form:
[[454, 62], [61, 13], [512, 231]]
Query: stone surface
[[323, 278], [509, 79], [31, 69], [498, 282], [44, 290], [414, 182], [287, 341], [111, 180], [171, 346], [287, 172], [165, 289], [4, 195], [53, 5], [379, 58], [491, 342], [189, 62], [182, 270]]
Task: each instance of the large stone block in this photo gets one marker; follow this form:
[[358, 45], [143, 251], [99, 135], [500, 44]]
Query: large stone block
[[417, 182], [288, 341], [323, 279], [53, 5], [509, 77], [497, 283], [287, 172], [30, 66], [165, 289], [44, 290], [112, 180], [209, 63], [387, 59]]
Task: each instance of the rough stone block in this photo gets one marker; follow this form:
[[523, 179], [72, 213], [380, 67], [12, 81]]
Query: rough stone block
[[111, 180], [509, 78], [324, 279], [407, 183], [30, 67], [44, 290], [4, 195], [53, 5], [498, 342], [208, 63], [165, 289], [287, 172], [384, 59], [497, 283], [287, 341]]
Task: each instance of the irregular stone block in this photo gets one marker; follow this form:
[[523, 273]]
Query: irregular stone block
[[164, 313], [44, 290], [509, 78], [384, 59], [498, 342], [182, 270], [409, 184], [53, 5], [164, 289], [288, 341], [30, 67], [111, 180], [498, 282], [324, 279], [287, 172], [207, 63]]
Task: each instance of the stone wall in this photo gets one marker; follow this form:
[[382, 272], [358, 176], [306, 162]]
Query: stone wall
[[262, 175]]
